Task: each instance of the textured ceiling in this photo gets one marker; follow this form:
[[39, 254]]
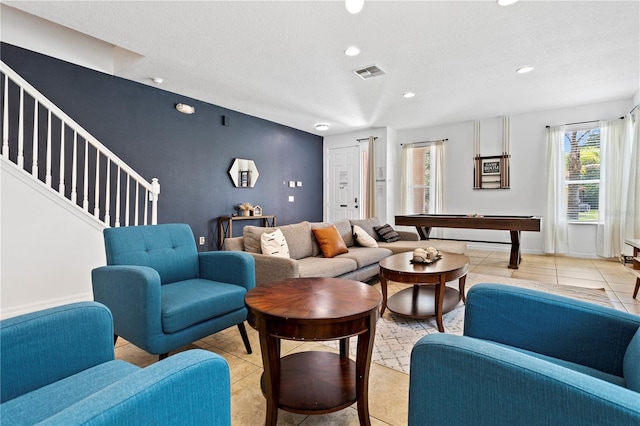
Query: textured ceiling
[[284, 61]]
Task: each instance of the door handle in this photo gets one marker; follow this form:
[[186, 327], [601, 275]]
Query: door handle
[[343, 205]]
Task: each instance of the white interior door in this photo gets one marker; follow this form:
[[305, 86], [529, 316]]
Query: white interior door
[[343, 185]]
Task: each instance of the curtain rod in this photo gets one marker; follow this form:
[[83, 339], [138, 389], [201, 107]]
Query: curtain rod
[[581, 122], [416, 143], [366, 139], [633, 109]]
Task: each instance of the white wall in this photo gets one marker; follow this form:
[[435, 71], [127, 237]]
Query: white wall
[[527, 195], [39, 35], [48, 246]]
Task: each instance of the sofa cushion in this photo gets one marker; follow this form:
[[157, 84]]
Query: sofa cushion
[[298, 235], [387, 233], [367, 225], [189, 302], [42, 403], [344, 228], [330, 242], [274, 244], [365, 256], [362, 238], [325, 267]]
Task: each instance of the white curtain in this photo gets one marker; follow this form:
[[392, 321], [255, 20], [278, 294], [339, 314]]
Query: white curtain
[[406, 188], [608, 242], [555, 220], [437, 161], [370, 207], [630, 205]]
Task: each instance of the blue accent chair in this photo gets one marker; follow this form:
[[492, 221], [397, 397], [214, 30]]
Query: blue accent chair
[[528, 358], [58, 368], [164, 294]]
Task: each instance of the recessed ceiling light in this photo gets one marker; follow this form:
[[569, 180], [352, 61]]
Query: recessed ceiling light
[[157, 80], [524, 70], [408, 94], [322, 126], [506, 2], [354, 6], [352, 51]]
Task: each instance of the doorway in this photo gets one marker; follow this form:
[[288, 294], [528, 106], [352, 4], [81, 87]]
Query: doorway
[[344, 184]]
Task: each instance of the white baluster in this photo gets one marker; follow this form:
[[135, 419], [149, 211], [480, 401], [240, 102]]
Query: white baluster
[[5, 119], [155, 187], [137, 208], [20, 159], [61, 180], [36, 127], [118, 199], [47, 179], [96, 207], [74, 170], [85, 190], [107, 195], [126, 202], [147, 196]]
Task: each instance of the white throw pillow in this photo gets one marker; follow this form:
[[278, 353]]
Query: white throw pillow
[[362, 238], [274, 244]]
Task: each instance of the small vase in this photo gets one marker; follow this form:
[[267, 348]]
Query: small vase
[[245, 212]]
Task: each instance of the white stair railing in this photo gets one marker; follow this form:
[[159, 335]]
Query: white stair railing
[[72, 158]]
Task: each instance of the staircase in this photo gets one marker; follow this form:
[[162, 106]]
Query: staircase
[[60, 188], [43, 141]]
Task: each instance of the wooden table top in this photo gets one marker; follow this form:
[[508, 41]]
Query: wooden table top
[[313, 299], [402, 263]]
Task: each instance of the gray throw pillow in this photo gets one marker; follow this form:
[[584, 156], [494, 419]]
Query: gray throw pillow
[[387, 233]]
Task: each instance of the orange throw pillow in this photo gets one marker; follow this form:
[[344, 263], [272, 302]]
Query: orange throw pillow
[[330, 241]]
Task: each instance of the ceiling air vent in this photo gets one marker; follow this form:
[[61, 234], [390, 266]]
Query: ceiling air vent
[[369, 72]]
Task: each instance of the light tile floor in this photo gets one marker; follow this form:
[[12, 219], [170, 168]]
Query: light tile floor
[[388, 389]]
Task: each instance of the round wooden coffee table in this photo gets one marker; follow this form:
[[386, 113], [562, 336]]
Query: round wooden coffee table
[[314, 382], [429, 295]]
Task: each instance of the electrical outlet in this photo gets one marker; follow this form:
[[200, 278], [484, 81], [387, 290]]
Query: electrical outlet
[[291, 198], [201, 241]]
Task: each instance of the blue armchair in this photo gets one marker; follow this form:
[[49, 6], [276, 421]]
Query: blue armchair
[[58, 368], [163, 294], [529, 358]]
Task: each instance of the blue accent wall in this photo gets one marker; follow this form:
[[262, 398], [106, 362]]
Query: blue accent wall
[[189, 154]]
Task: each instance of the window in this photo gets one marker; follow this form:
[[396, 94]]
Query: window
[[582, 174], [420, 179]]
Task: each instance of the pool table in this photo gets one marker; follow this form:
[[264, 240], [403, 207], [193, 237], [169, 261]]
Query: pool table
[[513, 224]]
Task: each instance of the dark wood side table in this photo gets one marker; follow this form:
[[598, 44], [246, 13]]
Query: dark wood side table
[[314, 382], [226, 232], [429, 295]]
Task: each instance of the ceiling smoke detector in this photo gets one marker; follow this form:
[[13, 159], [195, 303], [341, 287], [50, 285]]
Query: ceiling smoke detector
[[369, 72]]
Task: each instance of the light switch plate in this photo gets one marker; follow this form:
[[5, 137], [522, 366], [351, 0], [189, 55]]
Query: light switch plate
[[299, 183], [291, 198], [292, 184]]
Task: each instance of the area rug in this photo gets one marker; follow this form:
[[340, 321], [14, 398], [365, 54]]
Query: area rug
[[396, 335]]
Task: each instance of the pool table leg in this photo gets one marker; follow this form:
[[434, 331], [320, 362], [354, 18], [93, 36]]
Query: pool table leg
[[516, 256]]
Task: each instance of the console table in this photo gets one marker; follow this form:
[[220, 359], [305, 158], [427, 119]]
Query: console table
[[227, 231]]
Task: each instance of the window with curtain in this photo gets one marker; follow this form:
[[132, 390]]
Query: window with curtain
[[422, 186], [582, 174], [421, 179]]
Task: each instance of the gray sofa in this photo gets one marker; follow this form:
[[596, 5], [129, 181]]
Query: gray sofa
[[306, 260]]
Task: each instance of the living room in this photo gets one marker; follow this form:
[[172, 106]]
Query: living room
[[191, 156]]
